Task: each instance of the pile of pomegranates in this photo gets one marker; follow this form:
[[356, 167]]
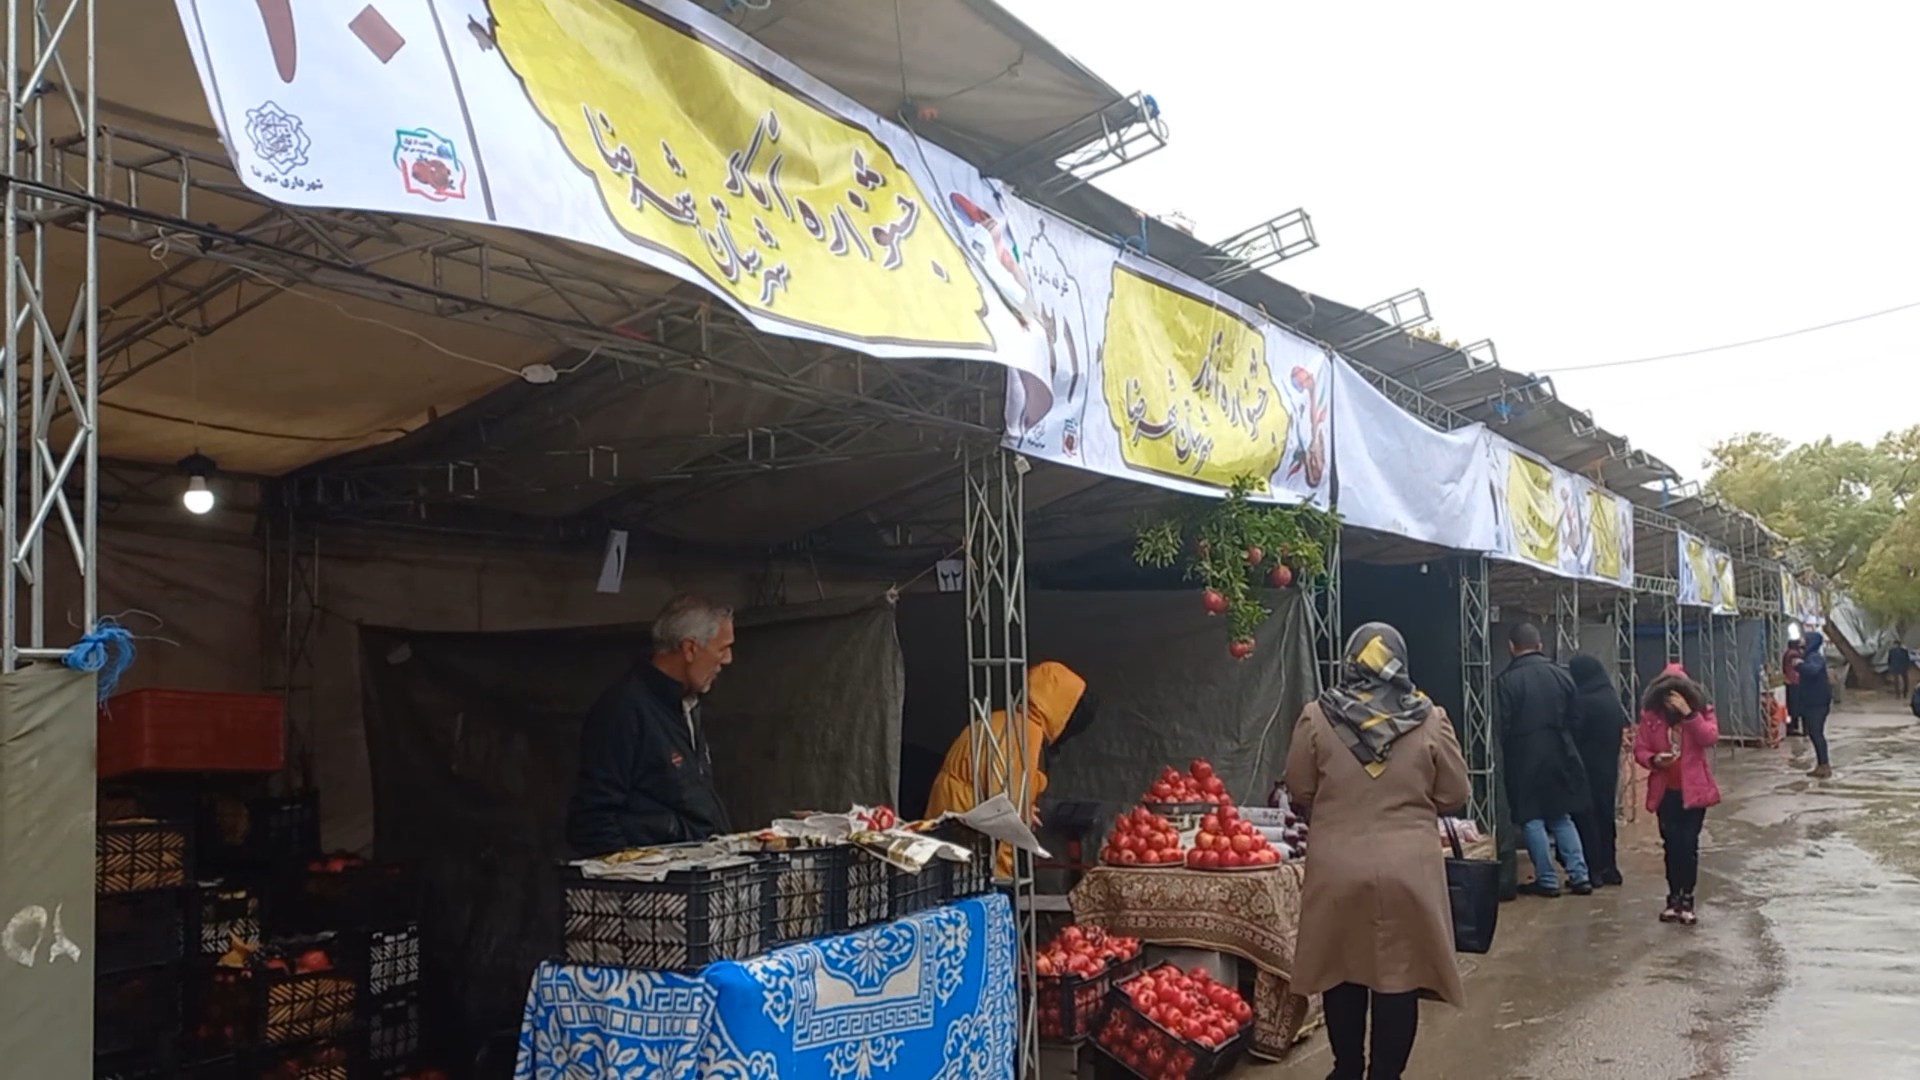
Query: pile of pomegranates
[[1197, 785], [1227, 841], [1073, 970], [1174, 1024], [1142, 838]]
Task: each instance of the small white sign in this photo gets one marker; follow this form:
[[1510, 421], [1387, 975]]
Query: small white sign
[[614, 566], [951, 573]]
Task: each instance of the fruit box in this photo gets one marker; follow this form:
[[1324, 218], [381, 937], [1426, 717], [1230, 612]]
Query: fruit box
[[1072, 1006], [685, 921], [970, 878], [1148, 1050], [192, 731], [134, 856], [274, 1002]]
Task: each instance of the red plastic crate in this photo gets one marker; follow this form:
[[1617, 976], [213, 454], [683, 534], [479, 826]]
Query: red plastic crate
[[192, 731]]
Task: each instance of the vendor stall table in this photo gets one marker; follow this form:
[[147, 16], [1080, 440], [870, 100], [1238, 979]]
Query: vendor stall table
[[929, 996], [1254, 915]]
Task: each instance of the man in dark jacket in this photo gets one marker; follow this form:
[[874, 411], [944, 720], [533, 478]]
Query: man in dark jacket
[[1816, 701], [1535, 714], [646, 771]]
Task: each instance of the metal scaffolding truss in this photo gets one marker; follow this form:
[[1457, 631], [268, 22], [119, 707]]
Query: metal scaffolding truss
[[1625, 661], [996, 615], [1266, 245], [1087, 149], [1323, 609], [1742, 698], [1476, 683], [51, 345], [1566, 620]]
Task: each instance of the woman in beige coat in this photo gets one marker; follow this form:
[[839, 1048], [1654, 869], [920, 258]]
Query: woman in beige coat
[[1377, 763]]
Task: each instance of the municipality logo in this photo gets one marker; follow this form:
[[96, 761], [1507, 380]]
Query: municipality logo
[[429, 165]]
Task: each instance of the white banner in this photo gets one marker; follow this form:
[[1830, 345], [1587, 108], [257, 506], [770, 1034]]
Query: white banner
[[1398, 475], [1706, 576], [649, 129], [1184, 387], [1552, 520]]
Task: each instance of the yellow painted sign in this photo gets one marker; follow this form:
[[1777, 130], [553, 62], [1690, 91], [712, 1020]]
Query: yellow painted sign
[[1534, 510], [791, 210], [1187, 386], [1609, 532]]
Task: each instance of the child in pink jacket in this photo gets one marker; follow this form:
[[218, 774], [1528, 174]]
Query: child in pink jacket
[[1677, 732]]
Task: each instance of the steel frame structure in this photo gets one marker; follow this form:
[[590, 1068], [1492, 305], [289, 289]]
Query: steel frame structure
[[1323, 609], [1566, 620], [1739, 699], [51, 347], [1625, 661], [292, 613], [996, 618], [149, 193], [1476, 690]]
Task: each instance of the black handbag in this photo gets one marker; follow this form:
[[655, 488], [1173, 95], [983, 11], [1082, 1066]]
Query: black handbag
[[1473, 891]]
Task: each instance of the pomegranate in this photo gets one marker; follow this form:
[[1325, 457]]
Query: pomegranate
[[1215, 603], [1281, 576], [1241, 649]]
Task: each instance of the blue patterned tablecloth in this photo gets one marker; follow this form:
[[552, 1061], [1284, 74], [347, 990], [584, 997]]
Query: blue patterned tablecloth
[[928, 997]]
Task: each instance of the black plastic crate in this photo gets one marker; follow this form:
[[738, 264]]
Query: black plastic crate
[[393, 961], [393, 1035], [1116, 1033], [137, 930], [336, 1058], [974, 877], [249, 834], [910, 892], [804, 888], [137, 1013], [361, 895], [685, 921], [135, 856], [1071, 1007], [863, 889], [272, 1003], [219, 914]]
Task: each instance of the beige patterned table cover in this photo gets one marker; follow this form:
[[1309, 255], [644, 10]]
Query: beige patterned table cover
[[1254, 915]]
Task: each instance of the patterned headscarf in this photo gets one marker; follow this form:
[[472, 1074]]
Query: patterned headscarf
[[1375, 701]]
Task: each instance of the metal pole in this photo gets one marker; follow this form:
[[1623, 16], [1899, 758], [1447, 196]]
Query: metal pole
[[1566, 621], [63, 366], [1323, 609], [1476, 689], [1623, 645], [996, 614]]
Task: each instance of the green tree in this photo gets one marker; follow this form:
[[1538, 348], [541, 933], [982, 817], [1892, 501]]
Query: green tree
[[1848, 507]]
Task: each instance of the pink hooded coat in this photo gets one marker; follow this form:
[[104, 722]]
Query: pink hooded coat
[[1698, 734]]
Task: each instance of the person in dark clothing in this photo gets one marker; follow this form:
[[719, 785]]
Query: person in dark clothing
[[1900, 666], [646, 770], [1597, 735], [1790, 672], [1535, 716], [1816, 700]]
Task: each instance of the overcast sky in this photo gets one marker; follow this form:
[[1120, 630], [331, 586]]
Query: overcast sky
[[1581, 185]]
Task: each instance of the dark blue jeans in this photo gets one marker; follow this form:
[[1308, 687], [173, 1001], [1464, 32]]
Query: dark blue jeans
[[1816, 721]]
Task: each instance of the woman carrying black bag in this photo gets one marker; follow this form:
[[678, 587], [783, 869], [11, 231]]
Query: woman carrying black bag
[[1376, 763]]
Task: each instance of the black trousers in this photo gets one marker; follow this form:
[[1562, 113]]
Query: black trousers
[[1680, 833], [1597, 822], [1815, 719], [1396, 1021]]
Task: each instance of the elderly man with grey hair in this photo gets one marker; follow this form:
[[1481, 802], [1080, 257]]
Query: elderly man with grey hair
[[646, 773]]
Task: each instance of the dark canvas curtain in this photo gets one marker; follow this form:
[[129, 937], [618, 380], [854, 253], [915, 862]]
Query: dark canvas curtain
[[473, 741]]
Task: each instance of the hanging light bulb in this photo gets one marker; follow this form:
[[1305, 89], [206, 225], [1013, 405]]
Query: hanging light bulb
[[198, 498]]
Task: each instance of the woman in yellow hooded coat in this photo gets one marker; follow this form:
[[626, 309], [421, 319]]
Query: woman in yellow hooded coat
[[1055, 697]]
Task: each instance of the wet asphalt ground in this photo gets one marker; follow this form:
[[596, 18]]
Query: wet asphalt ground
[[1806, 962]]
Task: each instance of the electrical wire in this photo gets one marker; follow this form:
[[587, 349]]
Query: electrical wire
[[1730, 345], [229, 429]]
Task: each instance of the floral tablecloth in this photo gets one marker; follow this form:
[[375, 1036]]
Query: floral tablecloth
[[1254, 915], [929, 997]]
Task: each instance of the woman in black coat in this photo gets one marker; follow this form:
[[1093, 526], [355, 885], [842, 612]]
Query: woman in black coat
[[1601, 719]]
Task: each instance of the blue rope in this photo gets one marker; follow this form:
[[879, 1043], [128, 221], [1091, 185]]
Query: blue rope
[[107, 649]]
